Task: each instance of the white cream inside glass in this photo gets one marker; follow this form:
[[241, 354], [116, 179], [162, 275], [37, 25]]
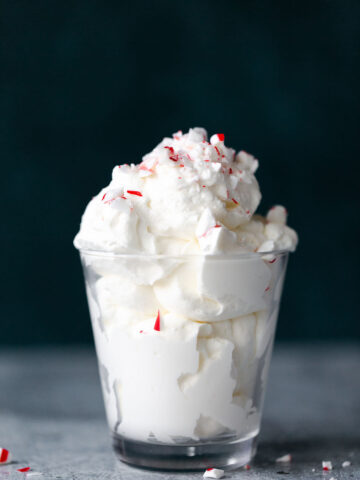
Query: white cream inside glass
[[173, 220]]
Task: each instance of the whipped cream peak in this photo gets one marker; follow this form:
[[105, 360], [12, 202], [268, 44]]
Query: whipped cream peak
[[188, 195]]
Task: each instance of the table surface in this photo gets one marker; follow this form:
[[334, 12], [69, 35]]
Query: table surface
[[52, 417]]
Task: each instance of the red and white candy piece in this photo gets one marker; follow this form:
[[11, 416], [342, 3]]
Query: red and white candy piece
[[284, 459], [213, 473], [157, 322], [23, 470], [326, 465], [5, 456], [134, 192], [217, 138]]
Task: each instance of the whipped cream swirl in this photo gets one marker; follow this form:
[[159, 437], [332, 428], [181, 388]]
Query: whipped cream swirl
[[188, 196]]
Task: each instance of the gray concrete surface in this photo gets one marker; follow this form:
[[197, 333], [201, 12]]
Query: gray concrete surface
[[52, 416]]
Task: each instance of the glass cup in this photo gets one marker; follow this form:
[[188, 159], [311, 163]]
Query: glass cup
[[184, 346]]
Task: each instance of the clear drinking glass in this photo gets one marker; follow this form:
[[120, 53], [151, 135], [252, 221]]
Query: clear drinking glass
[[184, 345]]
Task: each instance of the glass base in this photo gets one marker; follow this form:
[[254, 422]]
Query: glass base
[[224, 455]]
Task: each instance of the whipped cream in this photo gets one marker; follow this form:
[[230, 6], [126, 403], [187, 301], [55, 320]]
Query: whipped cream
[[201, 373], [187, 196]]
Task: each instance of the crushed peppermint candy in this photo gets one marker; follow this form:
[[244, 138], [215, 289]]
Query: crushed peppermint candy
[[145, 168], [157, 322], [213, 473], [247, 466], [134, 192], [346, 464], [235, 201], [216, 138], [23, 470], [218, 152], [285, 458], [5, 456], [326, 465]]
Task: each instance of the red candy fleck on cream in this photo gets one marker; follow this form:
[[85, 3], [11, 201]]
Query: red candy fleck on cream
[[273, 260], [145, 168], [157, 322], [236, 202], [230, 171], [172, 151], [221, 136], [134, 192], [247, 467], [218, 152], [103, 197], [25, 469]]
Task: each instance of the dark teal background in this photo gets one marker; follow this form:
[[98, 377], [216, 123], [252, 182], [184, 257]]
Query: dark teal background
[[89, 84]]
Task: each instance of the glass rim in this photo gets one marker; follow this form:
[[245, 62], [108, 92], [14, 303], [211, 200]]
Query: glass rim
[[208, 256]]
